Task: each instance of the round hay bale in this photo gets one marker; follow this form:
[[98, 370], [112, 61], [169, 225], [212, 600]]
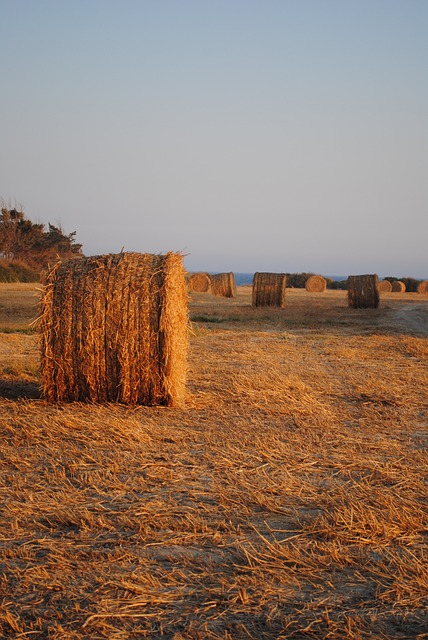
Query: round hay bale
[[269, 289], [363, 292], [423, 286], [316, 284], [223, 284], [199, 283], [114, 329], [385, 286], [398, 286]]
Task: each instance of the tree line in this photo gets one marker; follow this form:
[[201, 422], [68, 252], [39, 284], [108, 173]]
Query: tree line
[[298, 281], [411, 284], [27, 248]]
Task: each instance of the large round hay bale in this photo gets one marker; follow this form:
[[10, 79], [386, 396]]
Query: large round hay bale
[[385, 286], [223, 284], [199, 283], [398, 287], [316, 284], [269, 289], [363, 292], [423, 286], [114, 329]]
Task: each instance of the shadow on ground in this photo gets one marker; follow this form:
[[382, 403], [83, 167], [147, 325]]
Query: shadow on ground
[[14, 389]]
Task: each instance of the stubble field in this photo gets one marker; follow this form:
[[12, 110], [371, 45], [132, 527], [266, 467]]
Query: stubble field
[[286, 499]]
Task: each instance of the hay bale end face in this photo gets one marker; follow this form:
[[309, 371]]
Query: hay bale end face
[[423, 286], [363, 292], [385, 286], [398, 287], [316, 284], [269, 289], [114, 329], [223, 284], [199, 283]]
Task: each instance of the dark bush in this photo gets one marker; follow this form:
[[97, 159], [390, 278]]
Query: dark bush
[[15, 271]]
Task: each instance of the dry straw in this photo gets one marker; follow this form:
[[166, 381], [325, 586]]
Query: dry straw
[[223, 284], [385, 286], [316, 284], [269, 289], [423, 286], [114, 329], [363, 292], [199, 283], [398, 287]]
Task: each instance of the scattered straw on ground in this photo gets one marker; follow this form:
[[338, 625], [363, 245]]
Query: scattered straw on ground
[[287, 499]]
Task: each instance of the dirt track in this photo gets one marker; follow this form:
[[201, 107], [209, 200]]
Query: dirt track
[[413, 318]]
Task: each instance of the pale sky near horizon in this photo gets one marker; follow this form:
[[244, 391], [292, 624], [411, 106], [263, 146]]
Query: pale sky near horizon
[[251, 135]]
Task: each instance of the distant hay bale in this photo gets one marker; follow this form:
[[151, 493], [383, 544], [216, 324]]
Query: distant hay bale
[[423, 286], [199, 283], [385, 286], [363, 292], [398, 287], [223, 284], [316, 284], [269, 289], [114, 329]]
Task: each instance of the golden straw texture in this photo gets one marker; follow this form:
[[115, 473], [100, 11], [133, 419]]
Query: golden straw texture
[[363, 292], [385, 286], [199, 282], [316, 284], [223, 284], [398, 287], [114, 329], [423, 286], [269, 289]]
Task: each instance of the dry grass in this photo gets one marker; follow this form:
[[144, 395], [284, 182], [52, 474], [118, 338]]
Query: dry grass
[[288, 499], [19, 306]]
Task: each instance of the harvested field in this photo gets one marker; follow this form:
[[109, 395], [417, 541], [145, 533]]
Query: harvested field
[[287, 499]]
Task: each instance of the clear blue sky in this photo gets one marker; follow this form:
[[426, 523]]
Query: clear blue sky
[[268, 135]]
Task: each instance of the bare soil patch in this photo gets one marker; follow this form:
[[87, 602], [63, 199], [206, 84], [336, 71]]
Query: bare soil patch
[[413, 318]]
